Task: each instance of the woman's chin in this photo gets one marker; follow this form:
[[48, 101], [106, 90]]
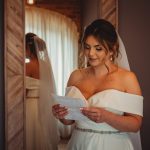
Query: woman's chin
[[94, 64]]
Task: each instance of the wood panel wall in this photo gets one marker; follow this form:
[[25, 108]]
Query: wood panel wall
[[109, 11], [14, 74]]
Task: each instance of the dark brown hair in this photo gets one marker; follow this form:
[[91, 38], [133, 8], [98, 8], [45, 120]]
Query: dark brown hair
[[105, 33], [30, 43]]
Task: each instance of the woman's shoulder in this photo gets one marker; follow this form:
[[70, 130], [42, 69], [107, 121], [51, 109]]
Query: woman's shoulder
[[126, 74], [76, 76], [130, 81], [32, 68]]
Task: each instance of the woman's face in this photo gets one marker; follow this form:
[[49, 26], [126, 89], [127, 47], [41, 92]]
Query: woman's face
[[95, 52]]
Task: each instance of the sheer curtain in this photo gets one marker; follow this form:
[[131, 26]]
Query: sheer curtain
[[61, 37]]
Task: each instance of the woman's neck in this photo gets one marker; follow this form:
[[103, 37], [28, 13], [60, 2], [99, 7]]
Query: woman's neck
[[103, 69]]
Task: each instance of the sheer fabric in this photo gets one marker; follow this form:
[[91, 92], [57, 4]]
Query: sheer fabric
[[123, 62], [45, 102], [61, 37]]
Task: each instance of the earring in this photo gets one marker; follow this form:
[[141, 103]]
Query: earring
[[111, 58], [86, 61]]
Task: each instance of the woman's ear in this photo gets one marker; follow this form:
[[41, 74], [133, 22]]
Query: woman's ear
[[111, 53]]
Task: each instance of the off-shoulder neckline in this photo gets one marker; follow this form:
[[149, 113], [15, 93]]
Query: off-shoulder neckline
[[103, 91], [31, 78]]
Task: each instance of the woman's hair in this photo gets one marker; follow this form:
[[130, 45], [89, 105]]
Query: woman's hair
[[30, 43], [105, 33]]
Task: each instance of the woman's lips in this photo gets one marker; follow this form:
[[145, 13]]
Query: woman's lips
[[92, 59]]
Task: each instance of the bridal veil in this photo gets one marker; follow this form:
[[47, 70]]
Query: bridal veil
[[123, 62], [47, 88]]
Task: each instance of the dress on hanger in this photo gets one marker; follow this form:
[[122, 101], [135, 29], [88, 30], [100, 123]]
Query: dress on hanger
[[33, 132], [35, 137]]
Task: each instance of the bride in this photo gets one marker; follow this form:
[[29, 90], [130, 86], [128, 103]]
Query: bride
[[41, 126], [113, 93]]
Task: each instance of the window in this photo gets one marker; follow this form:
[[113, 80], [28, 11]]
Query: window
[[61, 37]]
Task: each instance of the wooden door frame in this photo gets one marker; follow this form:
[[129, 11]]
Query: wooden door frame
[[14, 74], [2, 97]]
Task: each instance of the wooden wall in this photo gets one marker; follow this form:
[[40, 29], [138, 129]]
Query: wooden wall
[[109, 11], [14, 74]]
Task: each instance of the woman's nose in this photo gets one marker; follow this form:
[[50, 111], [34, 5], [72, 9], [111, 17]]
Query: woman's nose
[[91, 51]]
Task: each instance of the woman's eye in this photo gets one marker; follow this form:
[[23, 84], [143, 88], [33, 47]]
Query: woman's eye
[[98, 48], [86, 47]]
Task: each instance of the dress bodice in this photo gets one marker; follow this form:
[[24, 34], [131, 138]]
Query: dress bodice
[[32, 87], [110, 99]]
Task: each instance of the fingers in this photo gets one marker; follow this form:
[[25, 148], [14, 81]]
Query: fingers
[[59, 111], [94, 114]]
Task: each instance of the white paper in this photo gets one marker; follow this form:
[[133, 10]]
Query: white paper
[[73, 105]]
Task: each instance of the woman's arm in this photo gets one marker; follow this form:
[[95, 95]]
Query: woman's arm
[[126, 123]]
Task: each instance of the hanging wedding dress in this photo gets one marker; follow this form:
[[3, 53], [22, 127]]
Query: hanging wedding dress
[[101, 136], [41, 126], [33, 134]]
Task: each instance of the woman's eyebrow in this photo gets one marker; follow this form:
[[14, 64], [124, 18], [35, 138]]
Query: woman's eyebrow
[[97, 45], [86, 44], [94, 45]]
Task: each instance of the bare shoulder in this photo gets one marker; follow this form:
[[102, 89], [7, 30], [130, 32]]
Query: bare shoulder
[[28, 69], [75, 76], [130, 81], [32, 69]]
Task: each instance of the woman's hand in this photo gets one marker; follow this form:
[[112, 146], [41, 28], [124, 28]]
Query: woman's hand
[[59, 111], [126, 123], [93, 113]]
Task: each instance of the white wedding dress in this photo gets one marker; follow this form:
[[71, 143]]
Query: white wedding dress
[[89, 135], [34, 139]]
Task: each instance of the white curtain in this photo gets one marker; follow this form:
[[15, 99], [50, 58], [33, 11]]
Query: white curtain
[[61, 37]]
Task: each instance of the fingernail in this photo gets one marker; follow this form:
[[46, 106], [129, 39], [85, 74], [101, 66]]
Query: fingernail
[[61, 105], [81, 108]]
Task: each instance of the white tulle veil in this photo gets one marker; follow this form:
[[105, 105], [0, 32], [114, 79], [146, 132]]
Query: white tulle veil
[[123, 62], [47, 87]]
